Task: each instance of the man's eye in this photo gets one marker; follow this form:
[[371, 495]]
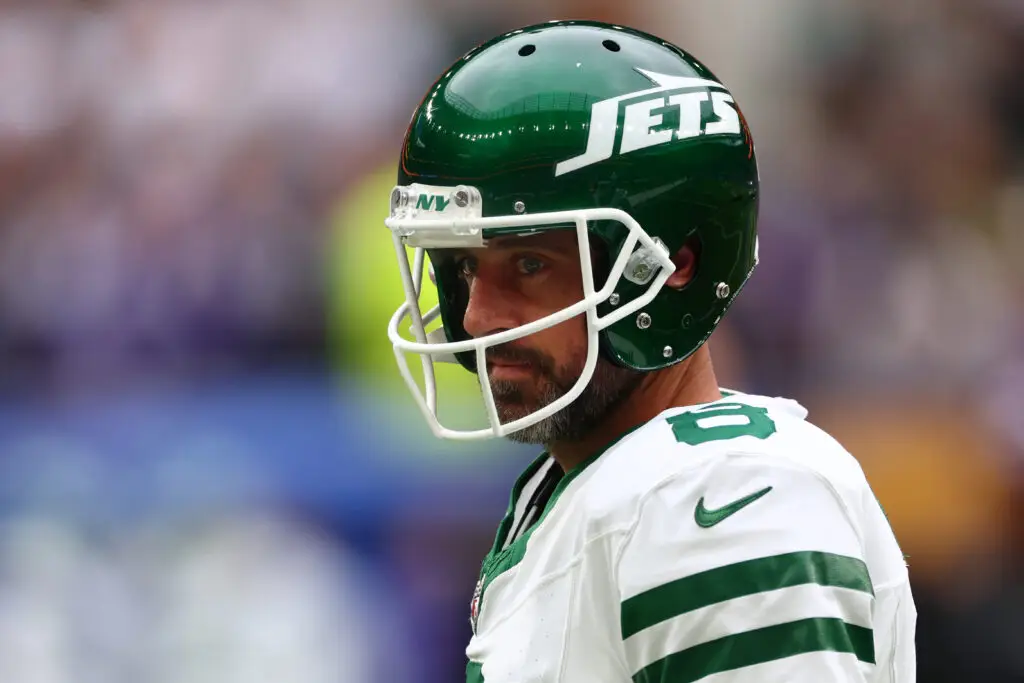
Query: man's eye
[[466, 266], [528, 265]]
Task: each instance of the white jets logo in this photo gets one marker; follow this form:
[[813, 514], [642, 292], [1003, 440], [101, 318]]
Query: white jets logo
[[644, 118]]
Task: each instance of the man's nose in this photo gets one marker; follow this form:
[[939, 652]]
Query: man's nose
[[490, 309]]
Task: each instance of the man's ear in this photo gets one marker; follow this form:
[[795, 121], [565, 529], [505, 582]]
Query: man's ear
[[686, 265]]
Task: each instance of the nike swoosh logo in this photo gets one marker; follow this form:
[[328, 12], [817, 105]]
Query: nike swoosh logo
[[708, 518]]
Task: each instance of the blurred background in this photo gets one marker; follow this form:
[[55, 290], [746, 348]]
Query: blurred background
[[209, 470]]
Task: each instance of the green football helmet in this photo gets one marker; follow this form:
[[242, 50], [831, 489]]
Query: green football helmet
[[605, 130]]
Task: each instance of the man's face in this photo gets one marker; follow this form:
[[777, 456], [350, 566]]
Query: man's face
[[515, 281]]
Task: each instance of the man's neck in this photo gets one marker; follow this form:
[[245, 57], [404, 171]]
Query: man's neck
[[688, 383]]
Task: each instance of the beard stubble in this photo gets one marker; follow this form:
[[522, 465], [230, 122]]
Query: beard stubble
[[609, 387]]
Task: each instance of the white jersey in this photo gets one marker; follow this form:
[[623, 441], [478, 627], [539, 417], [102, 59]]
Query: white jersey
[[729, 542]]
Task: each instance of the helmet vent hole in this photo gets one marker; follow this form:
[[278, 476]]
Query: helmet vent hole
[[527, 50], [611, 46]]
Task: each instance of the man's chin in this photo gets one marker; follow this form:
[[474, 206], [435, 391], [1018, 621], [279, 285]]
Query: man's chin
[[517, 400], [510, 412]]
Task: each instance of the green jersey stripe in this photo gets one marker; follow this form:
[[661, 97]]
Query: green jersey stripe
[[746, 614], [474, 672], [741, 579], [759, 646]]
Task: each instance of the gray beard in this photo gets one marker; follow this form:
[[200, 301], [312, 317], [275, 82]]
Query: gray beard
[[609, 387]]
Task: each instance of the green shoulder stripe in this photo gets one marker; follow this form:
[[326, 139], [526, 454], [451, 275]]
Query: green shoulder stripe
[[740, 579], [760, 646]]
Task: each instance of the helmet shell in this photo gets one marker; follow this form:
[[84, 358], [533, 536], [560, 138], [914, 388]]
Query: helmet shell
[[521, 119]]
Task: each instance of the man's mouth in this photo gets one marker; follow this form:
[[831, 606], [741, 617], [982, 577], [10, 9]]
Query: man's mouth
[[503, 369]]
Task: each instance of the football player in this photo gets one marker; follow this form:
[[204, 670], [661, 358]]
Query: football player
[[586, 196]]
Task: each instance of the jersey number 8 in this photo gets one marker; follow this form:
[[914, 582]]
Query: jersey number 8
[[720, 422]]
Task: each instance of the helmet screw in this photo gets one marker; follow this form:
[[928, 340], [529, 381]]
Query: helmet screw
[[614, 299], [461, 198], [643, 321], [519, 207], [641, 271], [667, 352], [722, 290], [399, 198]]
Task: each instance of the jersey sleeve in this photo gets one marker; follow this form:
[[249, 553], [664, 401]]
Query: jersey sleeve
[[746, 573]]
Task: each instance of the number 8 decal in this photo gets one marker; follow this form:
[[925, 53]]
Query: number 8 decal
[[720, 422]]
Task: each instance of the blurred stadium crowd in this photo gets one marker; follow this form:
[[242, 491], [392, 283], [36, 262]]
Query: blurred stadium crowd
[[208, 468]]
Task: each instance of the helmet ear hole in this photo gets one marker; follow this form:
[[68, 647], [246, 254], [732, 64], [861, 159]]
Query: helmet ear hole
[[687, 259]]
